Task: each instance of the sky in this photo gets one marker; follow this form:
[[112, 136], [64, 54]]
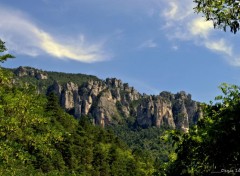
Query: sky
[[154, 45]]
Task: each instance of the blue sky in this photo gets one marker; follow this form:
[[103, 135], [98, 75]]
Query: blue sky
[[154, 45]]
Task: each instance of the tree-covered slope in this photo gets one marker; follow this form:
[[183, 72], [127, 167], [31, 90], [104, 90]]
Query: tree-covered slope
[[38, 137], [112, 102], [44, 79]]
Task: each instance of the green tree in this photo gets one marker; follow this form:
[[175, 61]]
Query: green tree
[[37, 137], [223, 13], [4, 75], [214, 143], [3, 49]]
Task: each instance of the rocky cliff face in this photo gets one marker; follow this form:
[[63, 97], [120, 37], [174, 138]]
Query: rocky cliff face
[[26, 71], [113, 102]]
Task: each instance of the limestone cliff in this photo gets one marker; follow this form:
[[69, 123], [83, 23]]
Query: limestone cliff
[[113, 102], [27, 71]]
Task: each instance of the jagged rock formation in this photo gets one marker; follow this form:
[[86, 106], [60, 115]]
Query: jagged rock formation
[[27, 71], [155, 111], [113, 102]]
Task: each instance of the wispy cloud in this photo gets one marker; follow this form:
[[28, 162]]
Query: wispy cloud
[[172, 11], [23, 36], [183, 24], [148, 44], [200, 27], [219, 46], [177, 10], [175, 47]]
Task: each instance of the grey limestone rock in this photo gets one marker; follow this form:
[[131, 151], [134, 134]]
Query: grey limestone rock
[[112, 101], [27, 71]]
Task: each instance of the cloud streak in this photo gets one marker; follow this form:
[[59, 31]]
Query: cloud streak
[[148, 44], [184, 25], [219, 46], [201, 28], [24, 37]]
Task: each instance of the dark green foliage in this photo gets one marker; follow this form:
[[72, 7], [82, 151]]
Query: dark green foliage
[[223, 13], [147, 145], [135, 103], [4, 57], [37, 137], [53, 104], [214, 144], [119, 108], [66, 77], [4, 75], [62, 78]]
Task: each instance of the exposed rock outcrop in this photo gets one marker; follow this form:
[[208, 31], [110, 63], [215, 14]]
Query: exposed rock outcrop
[[27, 71], [111, 101]]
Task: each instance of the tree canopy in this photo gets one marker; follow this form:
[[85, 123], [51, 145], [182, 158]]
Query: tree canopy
[[37, 137], [213, 145], [3, 49], [223, 13]]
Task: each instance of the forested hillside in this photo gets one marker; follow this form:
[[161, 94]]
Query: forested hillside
[[111, 101], [37, 137], [40, 136]]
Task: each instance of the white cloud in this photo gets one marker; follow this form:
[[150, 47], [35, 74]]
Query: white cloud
[[235, 61], [175, 47], [184, 25], [148, 44], [172, 11], [24, 37], [176, 9], [219, 46], [200, 27]]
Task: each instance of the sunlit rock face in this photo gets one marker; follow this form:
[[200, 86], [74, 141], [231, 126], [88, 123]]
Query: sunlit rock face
[[113, 102], [27, 71]]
